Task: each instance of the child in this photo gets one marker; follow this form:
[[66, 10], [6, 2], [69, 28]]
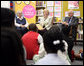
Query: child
[[31, 41], [53, 41]]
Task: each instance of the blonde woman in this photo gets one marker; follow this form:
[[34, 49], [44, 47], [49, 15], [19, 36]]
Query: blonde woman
[[45, 21]]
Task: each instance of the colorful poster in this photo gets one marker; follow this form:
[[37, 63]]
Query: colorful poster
[[50, 9], [22, 6], [29, 11], [57, 9], [57, 3], [51, 14], [57, 14], [73, 4], [76, 13], [50, 3]]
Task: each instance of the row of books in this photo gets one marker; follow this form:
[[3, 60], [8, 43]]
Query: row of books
[[79, 36], [39, 3], [49, 3], [80, 32]]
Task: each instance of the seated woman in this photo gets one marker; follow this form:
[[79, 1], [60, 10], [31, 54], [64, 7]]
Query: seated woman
[[21, 23], [45, 22], [53, 41]]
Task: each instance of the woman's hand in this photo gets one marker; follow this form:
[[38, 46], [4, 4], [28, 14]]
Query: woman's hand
[[22, 26]]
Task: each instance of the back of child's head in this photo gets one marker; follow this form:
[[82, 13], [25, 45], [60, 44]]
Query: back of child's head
[[53, 40], [7, 17], [33, 27]]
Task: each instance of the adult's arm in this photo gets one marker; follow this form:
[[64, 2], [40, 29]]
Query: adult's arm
[[26, 25], [16, 24], [49, 22]]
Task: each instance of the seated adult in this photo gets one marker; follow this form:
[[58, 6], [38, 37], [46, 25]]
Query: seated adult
[[11, 47], [31, 41], [21, 23], [53, 41], [70, 22], [45, 22]]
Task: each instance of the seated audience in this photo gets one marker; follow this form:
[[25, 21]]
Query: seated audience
[[79, 55], [31, 41], [11, 47], [53, 41]]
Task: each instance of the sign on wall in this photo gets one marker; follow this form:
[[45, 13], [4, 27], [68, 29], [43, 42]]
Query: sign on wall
[[5, 4], [76, 13], [73, 4], [29, 11]]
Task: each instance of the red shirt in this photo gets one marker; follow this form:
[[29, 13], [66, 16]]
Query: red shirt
[[30, 41]]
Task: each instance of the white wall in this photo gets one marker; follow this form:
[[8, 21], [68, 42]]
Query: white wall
[[5, 4]]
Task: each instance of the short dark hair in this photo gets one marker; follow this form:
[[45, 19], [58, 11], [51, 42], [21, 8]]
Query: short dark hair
[[7, 17], [33, 27], [50, 36]]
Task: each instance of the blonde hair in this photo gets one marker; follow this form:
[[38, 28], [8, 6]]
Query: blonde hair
[[46, 10]]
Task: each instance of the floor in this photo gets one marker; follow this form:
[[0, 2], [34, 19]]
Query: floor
[[76, 62], [77, 48]]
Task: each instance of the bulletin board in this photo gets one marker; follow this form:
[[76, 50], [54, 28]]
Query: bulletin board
[[21, 4], [65, 8]]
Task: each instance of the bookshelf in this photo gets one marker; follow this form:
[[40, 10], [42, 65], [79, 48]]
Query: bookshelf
[[80, 30], [40, 6]]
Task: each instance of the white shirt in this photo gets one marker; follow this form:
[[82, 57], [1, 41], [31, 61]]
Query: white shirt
[[18, 25], [41, 52], [51, 59], [46, 22]]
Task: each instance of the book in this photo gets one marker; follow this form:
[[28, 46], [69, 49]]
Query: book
[[39, 3], [50, 9], [57, 9], [57, 3]]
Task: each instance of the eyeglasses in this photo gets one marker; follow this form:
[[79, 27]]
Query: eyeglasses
[[26, 2]]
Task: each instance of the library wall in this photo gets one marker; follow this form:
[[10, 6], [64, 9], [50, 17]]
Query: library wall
[[65, 8]]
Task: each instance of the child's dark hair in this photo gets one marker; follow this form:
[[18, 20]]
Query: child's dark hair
[[52, 35], [33, 27]]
